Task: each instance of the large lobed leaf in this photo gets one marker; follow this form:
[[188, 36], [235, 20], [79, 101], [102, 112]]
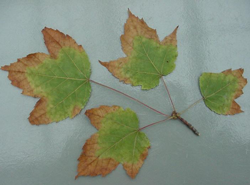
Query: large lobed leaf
[[219, 90], [147, 59], [60, 79], [118, 140]]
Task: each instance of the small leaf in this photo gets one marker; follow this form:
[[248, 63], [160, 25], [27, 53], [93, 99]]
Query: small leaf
[[117, 141], [219, 90], [59, 79], [147, 58]]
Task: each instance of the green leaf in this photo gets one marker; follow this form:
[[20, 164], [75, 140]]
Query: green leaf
[[61, 80], [118, 140], [147, 59], [220, 89]]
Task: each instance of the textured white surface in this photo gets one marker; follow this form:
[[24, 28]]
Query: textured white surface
[[213, 36]]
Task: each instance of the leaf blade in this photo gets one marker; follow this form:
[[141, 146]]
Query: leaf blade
[[59, 79], [118, 139], [147, 58]]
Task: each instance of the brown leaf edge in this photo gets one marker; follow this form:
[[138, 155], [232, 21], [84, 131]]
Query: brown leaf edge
[[235, 107]]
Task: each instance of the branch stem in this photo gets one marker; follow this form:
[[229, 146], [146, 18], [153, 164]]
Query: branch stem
[[166, 119], [128, 97], [188, 125], [168, 93]]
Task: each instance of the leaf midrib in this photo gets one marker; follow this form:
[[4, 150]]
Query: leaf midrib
[[66, 78], [149, 57], [60, 77], [217, 91], [116, 143], [67, 54], [54, 106], [68, 95], [118, 123]]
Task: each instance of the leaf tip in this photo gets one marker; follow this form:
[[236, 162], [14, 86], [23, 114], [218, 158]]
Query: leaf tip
[[105, 64], [75, 111], [87, 113], [45, 29], [76, 177], [5, 68], [129, 12], [31, 121], [175, 30]]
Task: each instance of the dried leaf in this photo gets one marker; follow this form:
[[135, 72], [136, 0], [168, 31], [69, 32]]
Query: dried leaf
[[118, 140], [147, 58], [219, 90], [59, 79]]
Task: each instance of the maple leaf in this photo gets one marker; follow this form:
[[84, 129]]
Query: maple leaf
[[118, 140], [60, 79], [219, 90], [147, 59]]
